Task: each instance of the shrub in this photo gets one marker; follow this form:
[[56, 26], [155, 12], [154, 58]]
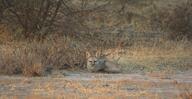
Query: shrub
[[177, 22], [29, 15]]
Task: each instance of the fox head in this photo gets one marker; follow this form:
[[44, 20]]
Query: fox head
[[94, 62]]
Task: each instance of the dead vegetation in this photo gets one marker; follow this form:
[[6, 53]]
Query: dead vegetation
[[81, 26], [30, 58], [144, 37]]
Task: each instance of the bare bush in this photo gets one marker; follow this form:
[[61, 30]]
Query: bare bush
[[74, 18], [180, 22], [31, 15], [177, 21]]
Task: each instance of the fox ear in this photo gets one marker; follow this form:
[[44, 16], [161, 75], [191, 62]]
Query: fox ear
[[98, 53], [88, 55]]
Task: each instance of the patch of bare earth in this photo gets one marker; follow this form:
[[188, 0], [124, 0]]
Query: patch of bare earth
[[96, 85]]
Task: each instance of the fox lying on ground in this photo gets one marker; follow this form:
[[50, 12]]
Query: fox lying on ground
[[97, 63]]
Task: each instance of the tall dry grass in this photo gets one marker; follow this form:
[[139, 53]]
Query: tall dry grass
[[32, 57], [163, 55]]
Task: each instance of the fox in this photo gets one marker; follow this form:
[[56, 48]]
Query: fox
[[98, 63]]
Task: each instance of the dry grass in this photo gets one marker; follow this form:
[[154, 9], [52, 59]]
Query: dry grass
[[38, 88], [167, 55], [186, 95], [31, 58], [5, 34], [157, 59]]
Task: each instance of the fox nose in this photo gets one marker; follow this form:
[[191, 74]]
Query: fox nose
[[94, 62]]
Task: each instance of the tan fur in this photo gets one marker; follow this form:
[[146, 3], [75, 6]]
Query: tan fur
[[97, 63]]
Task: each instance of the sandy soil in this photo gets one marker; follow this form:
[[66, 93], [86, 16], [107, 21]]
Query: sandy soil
[[79, 85]]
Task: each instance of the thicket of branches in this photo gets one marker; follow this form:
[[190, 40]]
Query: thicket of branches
[[38, 18], [31, 16], [176, 20]]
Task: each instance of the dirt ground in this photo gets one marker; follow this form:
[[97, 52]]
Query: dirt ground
[[79, 85]]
